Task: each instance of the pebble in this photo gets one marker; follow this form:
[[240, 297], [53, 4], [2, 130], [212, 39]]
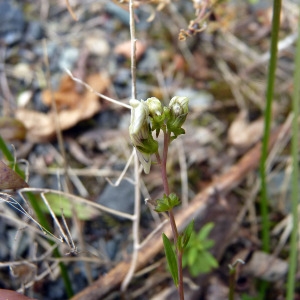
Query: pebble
[[12, 23], [119, 198], [34, 31]]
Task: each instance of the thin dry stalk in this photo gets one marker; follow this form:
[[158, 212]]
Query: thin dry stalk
[[123, 172], [79, 200], [17, 206], [72, 13], [93, 91], [137, 200], [63, 236]]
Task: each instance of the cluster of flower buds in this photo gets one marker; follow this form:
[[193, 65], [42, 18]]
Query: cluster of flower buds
[[150, 115]]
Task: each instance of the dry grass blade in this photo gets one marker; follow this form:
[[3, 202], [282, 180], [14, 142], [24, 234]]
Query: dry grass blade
[[72, 13]]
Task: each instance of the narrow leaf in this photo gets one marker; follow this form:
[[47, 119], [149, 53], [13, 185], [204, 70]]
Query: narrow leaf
[[205, 230], [60, 204], [187, 234], [171, 258], [192, 256]]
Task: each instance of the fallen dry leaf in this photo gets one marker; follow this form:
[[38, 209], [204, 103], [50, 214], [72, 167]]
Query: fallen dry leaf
[[67, 95], [72, 108], [9, 179], [263, 265], [242, 133], [125, 49], [12, 129]]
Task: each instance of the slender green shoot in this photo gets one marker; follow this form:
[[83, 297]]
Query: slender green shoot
[[295, 175], [267, 126]]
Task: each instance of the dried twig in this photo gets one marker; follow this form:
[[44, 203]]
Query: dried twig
[[71, 11], [137, 197]]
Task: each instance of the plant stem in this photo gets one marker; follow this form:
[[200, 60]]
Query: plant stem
[[163, 164], [8, 155], [293, 257], [267, 126], [180, 275]]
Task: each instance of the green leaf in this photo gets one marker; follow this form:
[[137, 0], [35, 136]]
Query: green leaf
[[184, 260], [174, 200], [207, 261], [197, 268], [171, 258], [205, 231], [207, 244], [180, 242], [187, 233], [211, 259], [166, 203], [200, 266], [162, 204], [62, 205], [192, 255]]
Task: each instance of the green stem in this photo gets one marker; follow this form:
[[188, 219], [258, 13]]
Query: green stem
[[180, 275], [232, 273], [163, 164], [10, 158], [267, 126], [41, 219], [295, 176]]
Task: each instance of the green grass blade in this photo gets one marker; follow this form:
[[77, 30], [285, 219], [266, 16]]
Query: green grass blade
[[267, 126], [171, 258], [295, 175]]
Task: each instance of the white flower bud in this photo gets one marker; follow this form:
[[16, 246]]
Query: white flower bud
[[155, 107], [179, 105], [140, 133], [139, 116]]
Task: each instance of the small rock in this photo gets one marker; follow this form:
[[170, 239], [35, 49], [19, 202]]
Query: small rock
[[68, 58], [34, 31], [199, 100], [120, 198], [112, 246], [11, 23]]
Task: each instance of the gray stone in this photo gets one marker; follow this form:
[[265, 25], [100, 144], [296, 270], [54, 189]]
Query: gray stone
[[11, 23], [120, 197]]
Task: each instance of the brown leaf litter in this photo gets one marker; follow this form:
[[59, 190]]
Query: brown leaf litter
[[72, 107]]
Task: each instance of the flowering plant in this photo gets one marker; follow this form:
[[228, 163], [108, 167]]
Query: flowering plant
[[146, 117]]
